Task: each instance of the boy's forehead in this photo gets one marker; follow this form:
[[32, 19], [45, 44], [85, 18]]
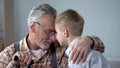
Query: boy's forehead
[[59, 28], [56, 28]]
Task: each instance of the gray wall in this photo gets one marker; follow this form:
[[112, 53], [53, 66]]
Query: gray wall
[[102, 18], [1, 11]]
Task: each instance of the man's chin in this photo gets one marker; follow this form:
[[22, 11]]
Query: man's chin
[[45, 46]]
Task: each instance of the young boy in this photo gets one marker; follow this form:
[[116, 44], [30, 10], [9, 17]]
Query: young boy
[[69, 27]]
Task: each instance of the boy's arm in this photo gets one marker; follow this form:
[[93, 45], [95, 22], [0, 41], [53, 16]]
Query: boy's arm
[[81, 48]]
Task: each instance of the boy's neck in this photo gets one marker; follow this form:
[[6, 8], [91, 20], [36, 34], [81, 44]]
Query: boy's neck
[[71, 38]]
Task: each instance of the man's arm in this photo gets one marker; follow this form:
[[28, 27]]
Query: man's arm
[[97, 44], [81, 48], [7, 55]]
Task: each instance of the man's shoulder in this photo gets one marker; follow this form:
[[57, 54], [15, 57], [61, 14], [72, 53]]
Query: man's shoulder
[[6, 54], [9, 48]]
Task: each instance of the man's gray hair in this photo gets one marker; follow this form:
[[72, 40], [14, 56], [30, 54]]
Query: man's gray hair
[[40, 10]]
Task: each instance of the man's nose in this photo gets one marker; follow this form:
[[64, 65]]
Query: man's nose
[[53, 38]]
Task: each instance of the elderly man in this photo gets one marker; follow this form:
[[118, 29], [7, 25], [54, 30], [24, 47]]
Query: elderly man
[[38, 45]]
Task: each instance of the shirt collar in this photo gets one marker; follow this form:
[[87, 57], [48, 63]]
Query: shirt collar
[[25, 41], [71, 44]]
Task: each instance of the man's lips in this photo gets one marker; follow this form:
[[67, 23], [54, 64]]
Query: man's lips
[[48, 42]]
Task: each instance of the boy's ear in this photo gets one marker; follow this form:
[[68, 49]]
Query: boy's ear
[[65, 33]]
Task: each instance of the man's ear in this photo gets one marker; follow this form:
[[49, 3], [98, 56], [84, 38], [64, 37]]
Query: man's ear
[[32, 27], [65, 32]]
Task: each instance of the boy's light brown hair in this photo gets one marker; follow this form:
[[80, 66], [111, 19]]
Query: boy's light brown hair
[[70, 20]]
